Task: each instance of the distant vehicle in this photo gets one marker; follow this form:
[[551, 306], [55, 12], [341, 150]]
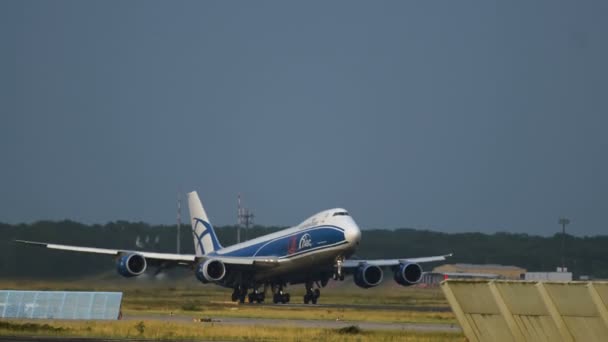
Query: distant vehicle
[[310, 253]]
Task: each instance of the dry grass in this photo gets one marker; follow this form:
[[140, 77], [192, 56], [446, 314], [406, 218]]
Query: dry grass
[[209, 331], [191, 298], [312, 313], [170, 292], [194, 299]]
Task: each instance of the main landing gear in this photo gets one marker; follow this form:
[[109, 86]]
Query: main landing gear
[[239, 294], [311, 295], [256, 296], [279, 296]]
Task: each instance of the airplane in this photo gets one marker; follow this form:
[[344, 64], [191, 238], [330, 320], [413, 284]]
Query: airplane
[[310, 253]]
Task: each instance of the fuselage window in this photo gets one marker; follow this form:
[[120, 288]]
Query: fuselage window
[[341, 213]]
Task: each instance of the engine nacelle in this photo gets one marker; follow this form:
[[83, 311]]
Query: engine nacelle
[[210, 271], [408, 274], [368, 276], [131, 265]]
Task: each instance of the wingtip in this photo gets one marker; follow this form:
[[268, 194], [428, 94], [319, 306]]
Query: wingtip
[[26, 242]]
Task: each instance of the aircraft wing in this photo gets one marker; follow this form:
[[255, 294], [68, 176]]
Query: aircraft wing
[[184, 259], [244, 261], [352, 263], [148, 255]]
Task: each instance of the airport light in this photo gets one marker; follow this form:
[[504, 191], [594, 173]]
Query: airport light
[[563, 221]]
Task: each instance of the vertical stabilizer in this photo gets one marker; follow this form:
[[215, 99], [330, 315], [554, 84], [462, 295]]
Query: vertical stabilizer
[[205, 240]]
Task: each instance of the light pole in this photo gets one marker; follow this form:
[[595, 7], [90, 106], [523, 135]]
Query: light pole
[[563, 221]]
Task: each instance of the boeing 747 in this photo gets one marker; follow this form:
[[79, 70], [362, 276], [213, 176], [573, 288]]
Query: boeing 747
[[310, 253]]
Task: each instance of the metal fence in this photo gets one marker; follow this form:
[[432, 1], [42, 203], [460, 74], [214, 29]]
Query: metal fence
[[529, 311], [60, 305]]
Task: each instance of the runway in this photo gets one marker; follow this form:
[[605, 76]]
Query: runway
[[303, 323], [367, 306]]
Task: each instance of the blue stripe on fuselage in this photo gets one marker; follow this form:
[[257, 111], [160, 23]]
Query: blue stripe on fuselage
[[305, 240]]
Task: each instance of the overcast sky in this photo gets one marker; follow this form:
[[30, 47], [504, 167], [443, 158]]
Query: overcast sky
[[445, 115]]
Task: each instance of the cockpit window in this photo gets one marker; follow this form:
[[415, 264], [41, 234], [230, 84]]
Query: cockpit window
[[340, 213]]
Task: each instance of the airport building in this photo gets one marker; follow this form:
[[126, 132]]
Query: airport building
[[549, 276], [482, 271]]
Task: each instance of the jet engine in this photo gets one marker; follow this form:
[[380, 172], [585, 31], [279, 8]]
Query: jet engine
[[210, 271], [408, 274], [368, 276], [131, 265]]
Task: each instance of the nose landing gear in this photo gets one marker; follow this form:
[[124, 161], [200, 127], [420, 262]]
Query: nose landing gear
[[338, 274]]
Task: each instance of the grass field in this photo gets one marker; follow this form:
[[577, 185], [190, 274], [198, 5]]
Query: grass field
[[190, 331], [197, 300]]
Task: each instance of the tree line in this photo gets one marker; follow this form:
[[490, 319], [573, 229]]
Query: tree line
[[583, 255]]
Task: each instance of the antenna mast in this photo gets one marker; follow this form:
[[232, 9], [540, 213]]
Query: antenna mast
[[238, 219], [244, 218], [179, 221]]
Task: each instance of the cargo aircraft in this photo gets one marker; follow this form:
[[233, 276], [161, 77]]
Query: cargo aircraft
[[310, 253]]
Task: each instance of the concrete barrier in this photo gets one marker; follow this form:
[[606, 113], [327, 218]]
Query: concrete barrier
[[529, 310]]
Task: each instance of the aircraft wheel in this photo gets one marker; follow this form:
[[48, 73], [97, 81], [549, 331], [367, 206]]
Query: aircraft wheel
[[242, 295], [259, 297]]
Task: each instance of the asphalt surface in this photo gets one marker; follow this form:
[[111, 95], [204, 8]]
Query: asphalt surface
[[368, 306]]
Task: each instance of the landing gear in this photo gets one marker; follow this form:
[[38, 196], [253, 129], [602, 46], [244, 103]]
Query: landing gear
[[279, 296], [256, 296], [239, 294], [311, 295], [338, 274], [235, 295]]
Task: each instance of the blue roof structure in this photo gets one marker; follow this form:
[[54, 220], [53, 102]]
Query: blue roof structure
[[60, 304]]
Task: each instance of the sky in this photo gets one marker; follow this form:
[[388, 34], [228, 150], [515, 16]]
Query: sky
[[453, 116]]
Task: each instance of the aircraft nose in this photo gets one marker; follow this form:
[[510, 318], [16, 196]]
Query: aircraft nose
[[353, 234]]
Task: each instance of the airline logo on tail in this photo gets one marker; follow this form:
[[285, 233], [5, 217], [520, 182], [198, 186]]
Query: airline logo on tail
[[200, 233], [205, 240]]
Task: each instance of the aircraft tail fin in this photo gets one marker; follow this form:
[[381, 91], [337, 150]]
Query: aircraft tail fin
[[205, 240]]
